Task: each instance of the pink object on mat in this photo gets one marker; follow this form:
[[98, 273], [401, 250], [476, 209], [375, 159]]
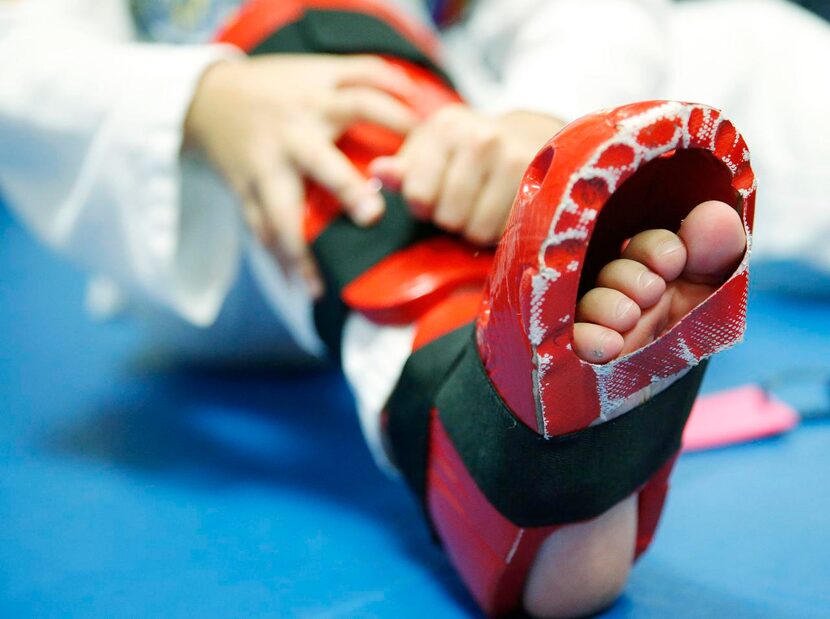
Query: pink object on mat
[[736, 416]]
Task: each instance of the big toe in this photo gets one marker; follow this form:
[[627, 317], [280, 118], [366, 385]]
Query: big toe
[[715, 241]]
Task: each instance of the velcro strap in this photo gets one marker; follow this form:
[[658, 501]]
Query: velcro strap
[[410, 403], [344, 251], [530, 480]]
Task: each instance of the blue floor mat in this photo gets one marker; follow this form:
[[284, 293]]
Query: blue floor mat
[[133, 491]]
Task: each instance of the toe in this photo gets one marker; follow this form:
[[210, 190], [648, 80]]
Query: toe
[[595, 343], [609, 308], [661, 251], [715, 241], [660, 277], [633, 279]]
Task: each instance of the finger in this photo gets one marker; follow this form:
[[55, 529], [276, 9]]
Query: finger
[[323, 162], [459, 191], [364, 104], [425, 157], [490, 212], [374, 72], [281, 193], [248, 195], [256, 220]]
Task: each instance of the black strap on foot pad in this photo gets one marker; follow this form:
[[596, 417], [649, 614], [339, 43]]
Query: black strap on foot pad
[[530, 480], [329, 31], [344, 251]]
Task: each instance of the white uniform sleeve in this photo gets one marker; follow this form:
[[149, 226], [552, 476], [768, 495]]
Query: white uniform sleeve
[[571, 57], [90, 138]]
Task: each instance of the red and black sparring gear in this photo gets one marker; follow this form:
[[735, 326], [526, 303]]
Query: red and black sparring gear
[[495, 421]]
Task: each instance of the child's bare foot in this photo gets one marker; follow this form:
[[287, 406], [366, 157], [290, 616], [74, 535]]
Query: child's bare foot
[[660, 277], [583, 567]]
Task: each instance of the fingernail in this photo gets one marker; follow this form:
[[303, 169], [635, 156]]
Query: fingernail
[[624, 306], [374, 184], [369, 209], [648, 279], [669, 247]]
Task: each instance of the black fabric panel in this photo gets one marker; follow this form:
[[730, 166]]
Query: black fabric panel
[[344, 251], [538, 482], [412, 399], [528, 479], [345, 32], [287, 40]]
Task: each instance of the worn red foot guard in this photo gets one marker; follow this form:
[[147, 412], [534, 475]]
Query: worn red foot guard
[[601, 180]]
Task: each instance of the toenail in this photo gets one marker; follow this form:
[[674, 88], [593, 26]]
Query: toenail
[[599, 350], [669, 246], [647, 279], [624, 306]]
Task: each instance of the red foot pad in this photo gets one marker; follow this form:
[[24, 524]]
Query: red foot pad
[[563, 199], [403, 286], [630, 161]]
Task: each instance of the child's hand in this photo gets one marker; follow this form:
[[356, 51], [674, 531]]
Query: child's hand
[[266, 122], [462, 169]]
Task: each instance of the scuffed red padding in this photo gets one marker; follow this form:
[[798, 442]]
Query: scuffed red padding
[[539, 263], [491, 554], [459, 309], [526, 322], [650, 503], [403, 286]]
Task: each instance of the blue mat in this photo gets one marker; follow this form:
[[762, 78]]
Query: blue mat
[[128, 491]]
